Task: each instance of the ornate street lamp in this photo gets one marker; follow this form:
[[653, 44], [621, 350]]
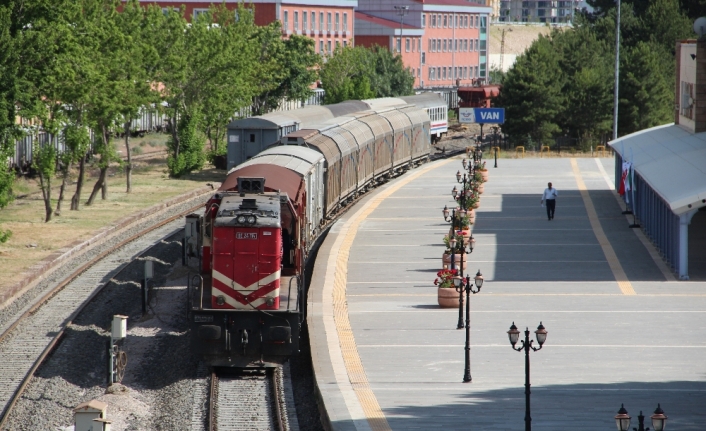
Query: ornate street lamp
[[514, 336], [468, 288], [622, 420]]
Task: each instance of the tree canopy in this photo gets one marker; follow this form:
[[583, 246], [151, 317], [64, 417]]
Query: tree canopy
[[363, 73], [563, 84]]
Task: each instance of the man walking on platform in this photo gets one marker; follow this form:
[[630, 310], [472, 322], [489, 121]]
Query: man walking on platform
[[549, 198]]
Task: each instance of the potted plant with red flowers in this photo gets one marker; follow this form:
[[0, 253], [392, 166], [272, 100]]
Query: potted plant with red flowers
[[446, 292], [452, 243], [480, 167]]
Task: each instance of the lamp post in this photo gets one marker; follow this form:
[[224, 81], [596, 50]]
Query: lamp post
[[468, 288], [461, 197], [622, 420], [401, 11], [445, 211], [514, 336]]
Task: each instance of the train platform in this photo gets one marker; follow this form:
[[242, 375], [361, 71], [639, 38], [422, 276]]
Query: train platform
[[621, 329]]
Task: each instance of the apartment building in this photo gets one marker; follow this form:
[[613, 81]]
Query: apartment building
[[442, 42], [328, 22], [556, 11]]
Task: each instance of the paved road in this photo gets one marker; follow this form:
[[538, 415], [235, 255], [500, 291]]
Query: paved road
[[621, 330]]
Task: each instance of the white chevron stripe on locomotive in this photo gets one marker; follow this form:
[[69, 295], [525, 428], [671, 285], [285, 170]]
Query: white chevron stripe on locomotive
[[256, 303], [235, 285]]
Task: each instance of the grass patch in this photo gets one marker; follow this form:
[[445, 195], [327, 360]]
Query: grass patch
[[33, 240]]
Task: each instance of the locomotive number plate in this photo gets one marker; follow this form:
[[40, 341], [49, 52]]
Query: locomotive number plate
[[202, 319], [246, 235]]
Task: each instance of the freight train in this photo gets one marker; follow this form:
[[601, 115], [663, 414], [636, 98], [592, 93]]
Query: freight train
[[259, 230]]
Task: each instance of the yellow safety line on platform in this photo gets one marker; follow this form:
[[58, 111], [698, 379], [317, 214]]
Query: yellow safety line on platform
[[351, 358], [651, 249], [611, 257]]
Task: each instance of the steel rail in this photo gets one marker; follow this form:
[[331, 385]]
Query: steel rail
[[60, 286]]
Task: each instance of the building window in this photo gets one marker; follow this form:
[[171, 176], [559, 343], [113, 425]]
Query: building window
[[424, 21], [305, 25], [445, 20], [687, 100], [328, 22], [328, 46], [476, 21], [477, 41], [345, 43], [285, 24], [406, 44], [398, 44], [443, 72], [296, 21], [455, 45], [313, 22], [338, 44], [321, 22], [338, 22], [345, 22], [482, 70], [433, 24], [476, 73], [199, 12], [455, 21], [419, 72], [482, 45], [444, 45], [432, 45]]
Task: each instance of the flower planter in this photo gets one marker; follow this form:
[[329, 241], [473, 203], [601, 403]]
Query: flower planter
[[446, 259], [484, 175], [447, 297], [481, 188], [466, 233], [472, 216], [476, 205]]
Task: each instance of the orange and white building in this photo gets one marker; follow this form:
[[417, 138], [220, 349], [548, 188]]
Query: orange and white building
[[328, 22], [444, 43]]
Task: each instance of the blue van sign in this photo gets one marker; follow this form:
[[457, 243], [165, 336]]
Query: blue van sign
[[481, 115]]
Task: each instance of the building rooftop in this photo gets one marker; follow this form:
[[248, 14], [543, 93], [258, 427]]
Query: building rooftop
[[381, 21]]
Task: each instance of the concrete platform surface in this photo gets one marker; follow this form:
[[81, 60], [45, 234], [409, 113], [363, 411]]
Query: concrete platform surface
[[620, 328]]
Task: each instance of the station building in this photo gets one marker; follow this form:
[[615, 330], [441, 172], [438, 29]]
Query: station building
[[328, 22], [668, 197], [444, 43]]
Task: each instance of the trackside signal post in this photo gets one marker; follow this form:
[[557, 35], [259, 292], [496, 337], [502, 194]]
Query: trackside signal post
[[117, 358]]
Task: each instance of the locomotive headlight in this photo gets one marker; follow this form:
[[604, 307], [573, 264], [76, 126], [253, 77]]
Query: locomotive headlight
[[241, 219], [220, 300], [251, 219], [270, 302]]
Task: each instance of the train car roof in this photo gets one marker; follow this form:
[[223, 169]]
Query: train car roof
[[276, 177], [425, 100], [303, 153], [348, 107], [385, 103]]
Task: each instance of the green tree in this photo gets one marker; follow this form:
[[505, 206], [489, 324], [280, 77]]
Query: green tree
[[646, 88], [532, 94], [44, 161], [134, 61], [190, 156], [345, 74], [389, 77]]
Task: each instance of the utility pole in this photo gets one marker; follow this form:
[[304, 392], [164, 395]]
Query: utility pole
[[502, 49], [617, 72], [401, 11]]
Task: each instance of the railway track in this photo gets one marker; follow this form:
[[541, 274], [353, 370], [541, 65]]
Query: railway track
[[28, 338], [253, 400]]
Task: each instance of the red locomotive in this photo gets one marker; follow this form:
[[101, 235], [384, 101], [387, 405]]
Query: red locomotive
[[245, 304]]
